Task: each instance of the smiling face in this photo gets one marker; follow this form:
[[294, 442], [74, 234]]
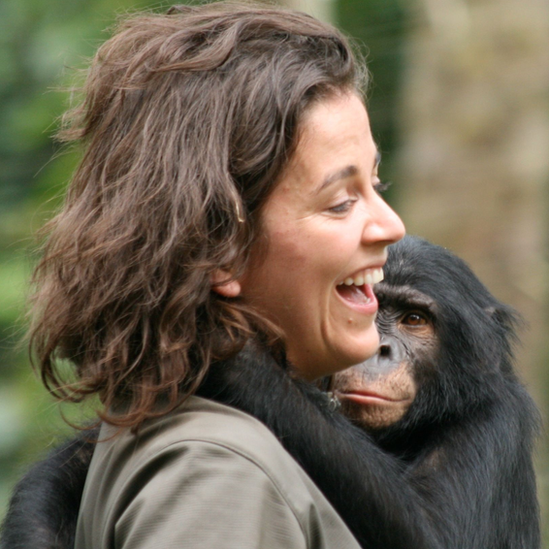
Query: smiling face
[[326, 232]]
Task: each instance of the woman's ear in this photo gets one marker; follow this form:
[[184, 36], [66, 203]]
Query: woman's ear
[[223, 284]]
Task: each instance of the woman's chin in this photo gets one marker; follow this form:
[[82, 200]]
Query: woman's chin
[[336, 351], [358, 347], [352, 353]]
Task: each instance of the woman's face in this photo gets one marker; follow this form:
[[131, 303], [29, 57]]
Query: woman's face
[[327, 230]]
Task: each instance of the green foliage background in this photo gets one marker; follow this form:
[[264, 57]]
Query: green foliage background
[[40, 43]]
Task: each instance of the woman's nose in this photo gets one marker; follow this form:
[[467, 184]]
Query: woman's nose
[[384, 225]]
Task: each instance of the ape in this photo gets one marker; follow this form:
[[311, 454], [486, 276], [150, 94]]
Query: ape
[[441, 456], [441, 395]]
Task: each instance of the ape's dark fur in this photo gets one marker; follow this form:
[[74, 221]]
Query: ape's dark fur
[[467, 438], [454, 472], [44, 505]]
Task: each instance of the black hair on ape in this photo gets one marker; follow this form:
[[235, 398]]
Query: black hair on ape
[[476, 331]]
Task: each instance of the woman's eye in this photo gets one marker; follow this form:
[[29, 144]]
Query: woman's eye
[[381, 186], [343, 207], [415, 319]]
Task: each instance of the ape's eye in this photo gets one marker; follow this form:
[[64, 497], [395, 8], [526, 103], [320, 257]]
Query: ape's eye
[[415, 319]]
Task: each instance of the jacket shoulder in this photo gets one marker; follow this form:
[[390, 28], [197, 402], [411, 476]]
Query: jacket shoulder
[[218, 473]]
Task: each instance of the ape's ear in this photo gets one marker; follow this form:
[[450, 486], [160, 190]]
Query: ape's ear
[[496, 315], [506, 317], [224, 285]]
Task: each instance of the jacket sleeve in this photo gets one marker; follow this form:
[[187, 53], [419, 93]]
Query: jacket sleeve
[[202, 495]]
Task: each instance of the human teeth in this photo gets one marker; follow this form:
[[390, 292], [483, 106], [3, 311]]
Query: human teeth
[[378, 275], [369, 276]]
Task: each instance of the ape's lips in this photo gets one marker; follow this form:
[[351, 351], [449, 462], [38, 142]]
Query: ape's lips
[[365, 397]]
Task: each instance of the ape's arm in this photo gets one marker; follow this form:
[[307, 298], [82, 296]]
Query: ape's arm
[[479, 473], [365, 485], [44, 507]]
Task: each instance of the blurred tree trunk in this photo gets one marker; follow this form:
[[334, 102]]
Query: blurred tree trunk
[[474, 167], [474, 162]]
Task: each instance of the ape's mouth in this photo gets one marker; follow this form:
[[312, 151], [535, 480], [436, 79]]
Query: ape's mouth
[[365, 398]]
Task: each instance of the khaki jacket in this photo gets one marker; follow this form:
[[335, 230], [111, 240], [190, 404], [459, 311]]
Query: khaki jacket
[[207, 476]]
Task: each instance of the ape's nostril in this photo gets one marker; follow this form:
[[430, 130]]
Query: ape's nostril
[[384, 351]]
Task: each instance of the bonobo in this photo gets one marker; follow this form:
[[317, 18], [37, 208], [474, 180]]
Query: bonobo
[[438, 452], [441, 395]]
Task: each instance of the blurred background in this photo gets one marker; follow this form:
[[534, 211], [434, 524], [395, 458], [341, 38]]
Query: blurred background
[[459, 104]]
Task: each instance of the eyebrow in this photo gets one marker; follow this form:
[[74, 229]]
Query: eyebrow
[[348, 171]]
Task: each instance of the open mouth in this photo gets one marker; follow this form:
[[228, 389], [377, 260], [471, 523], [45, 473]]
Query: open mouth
[[361, 295], [357, 290]]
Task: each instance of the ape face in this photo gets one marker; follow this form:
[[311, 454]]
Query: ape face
[[377, 393]]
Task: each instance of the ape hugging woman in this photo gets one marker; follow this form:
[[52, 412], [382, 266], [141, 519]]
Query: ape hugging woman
[[216, 255]]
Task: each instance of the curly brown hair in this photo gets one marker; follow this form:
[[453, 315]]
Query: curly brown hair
[[186, 122]]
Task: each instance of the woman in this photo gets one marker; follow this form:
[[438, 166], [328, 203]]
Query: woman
[[220, 235]]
